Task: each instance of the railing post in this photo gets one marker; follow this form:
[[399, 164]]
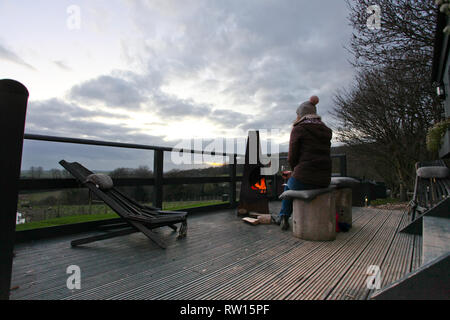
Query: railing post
[[13, 107], [158, 167], [233, 181], [275, 187], [343, 165]]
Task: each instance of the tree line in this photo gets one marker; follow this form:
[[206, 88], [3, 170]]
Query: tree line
[[181, 192]]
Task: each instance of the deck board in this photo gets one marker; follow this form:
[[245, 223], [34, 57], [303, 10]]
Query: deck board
[[398, 259], [436, 238], [221, 258], [352, 284]]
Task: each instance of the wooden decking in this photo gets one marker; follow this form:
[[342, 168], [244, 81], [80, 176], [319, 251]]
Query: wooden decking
[[222, 258]]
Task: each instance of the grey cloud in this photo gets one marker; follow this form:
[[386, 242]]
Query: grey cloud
[[112, 91], [57, 108], [165, 105], [169, 106], [9, 55], [227, 118], [269, 55], [57, 117], [173, 108], [284, 114], [60, 118], [270, 52], [62, 65]]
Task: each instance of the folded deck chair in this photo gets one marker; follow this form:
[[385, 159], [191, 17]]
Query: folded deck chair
[[139, 217]]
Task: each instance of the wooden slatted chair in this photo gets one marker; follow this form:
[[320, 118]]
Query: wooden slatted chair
[[139, 217], [430, 212], [431, 194], [429, 189]]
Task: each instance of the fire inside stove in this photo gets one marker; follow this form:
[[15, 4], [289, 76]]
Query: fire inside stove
[[260, 186]]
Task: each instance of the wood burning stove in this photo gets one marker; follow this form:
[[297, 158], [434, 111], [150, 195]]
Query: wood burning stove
[[253, 195]]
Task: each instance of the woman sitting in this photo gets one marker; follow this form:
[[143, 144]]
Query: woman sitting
[[309, 155]]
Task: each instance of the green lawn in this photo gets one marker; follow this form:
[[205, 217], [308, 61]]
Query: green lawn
[[64, 220], [379, 202], [102, 216], [189, 204]]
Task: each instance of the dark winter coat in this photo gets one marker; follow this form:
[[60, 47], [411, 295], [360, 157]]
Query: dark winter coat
[[309, 152]]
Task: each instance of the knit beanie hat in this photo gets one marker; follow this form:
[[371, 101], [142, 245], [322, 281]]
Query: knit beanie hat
[[308, 107]]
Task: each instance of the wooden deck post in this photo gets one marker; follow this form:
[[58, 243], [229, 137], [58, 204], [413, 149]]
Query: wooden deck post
[[343, 165], [275, 182], [13, 107], [233, 182], [158, 166]]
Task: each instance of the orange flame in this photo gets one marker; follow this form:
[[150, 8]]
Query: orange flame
[[260, 186]]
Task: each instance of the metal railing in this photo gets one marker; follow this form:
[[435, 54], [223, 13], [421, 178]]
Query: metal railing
[[158, 180]]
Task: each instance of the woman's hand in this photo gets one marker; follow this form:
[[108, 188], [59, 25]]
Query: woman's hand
[[286, 174]]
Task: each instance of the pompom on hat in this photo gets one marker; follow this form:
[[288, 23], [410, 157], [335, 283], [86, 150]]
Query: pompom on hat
[[308, 107]]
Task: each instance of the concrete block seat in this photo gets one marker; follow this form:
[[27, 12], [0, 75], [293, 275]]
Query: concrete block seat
[[314, 213], [343, 195]]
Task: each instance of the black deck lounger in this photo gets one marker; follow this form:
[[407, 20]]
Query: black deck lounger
[[140, 217]]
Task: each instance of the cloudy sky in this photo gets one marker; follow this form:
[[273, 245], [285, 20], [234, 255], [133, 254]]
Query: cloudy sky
[[159, 71]]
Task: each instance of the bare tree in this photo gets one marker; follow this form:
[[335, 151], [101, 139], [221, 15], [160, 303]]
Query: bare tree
[[32, 172], [387, 120], [143, 172], [389, 108], [56, 173], [36, 172], [121, 173], [405, 38], [39, 172]]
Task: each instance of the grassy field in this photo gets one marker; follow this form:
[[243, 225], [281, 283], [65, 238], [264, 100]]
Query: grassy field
[[379, 202], [107, 213], [64, 220], [38, 196]]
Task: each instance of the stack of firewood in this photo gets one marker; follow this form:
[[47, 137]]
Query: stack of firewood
[[255, 218]]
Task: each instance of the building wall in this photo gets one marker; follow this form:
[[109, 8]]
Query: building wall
[[446, 81]]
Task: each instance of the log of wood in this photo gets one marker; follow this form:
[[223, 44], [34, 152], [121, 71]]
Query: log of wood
[[242, 212], [252, 214], [264, 219], [252, 221]]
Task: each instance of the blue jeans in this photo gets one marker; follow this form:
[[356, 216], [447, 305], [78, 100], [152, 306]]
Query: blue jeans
[[293, 184]]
